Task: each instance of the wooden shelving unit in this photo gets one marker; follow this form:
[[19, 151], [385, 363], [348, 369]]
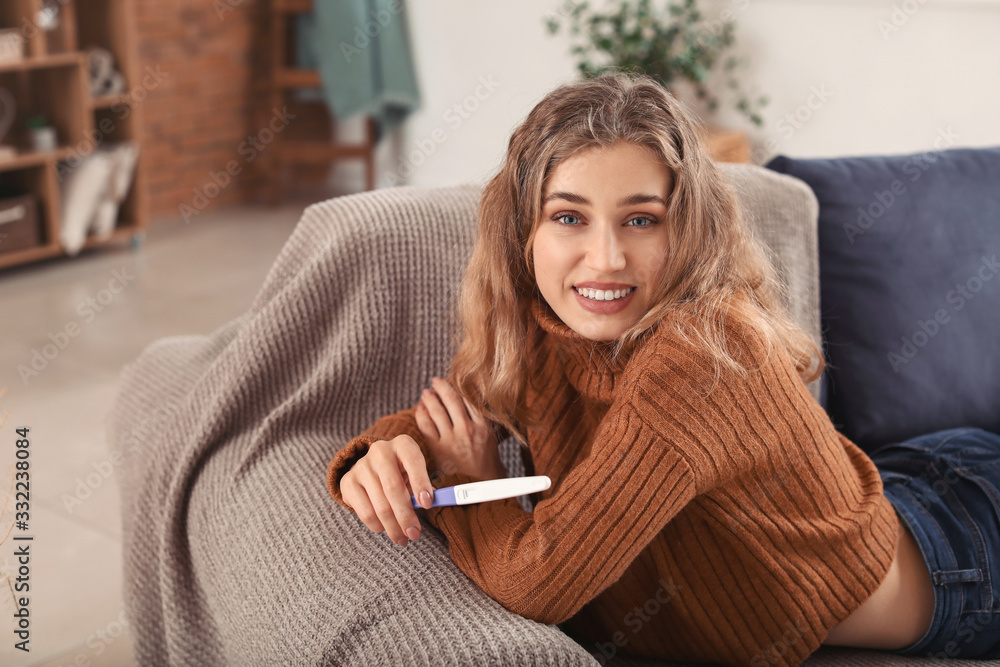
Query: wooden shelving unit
[[53, 80]]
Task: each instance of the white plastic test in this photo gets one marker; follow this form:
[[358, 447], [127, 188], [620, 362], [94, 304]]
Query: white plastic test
[[497, 489]]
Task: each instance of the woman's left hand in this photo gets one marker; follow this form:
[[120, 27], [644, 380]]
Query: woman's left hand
[[460, 438]]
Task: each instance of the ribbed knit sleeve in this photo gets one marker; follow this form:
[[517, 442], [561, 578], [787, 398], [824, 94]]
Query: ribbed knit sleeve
[[401, 423], [547, 565]]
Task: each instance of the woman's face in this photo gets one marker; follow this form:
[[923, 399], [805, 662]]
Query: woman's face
[[603, 225]]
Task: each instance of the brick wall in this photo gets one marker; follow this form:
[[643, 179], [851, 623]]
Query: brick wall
[[214, 55]]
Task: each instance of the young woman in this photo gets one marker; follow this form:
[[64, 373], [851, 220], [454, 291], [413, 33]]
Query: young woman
[[620, 319]]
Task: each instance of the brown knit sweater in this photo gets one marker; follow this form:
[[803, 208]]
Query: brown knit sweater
[[734, 526]]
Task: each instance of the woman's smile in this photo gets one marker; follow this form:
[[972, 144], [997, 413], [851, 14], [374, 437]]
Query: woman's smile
[[605, 303]]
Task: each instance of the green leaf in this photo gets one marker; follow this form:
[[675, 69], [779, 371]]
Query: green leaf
[[668, 42]]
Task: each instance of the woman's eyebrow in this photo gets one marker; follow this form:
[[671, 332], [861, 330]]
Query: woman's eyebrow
[[630, 200]]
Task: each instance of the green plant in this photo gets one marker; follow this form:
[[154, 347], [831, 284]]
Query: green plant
[[36, 122], [669, 43]]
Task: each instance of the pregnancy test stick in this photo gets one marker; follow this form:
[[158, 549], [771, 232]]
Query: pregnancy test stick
[[480, 492]]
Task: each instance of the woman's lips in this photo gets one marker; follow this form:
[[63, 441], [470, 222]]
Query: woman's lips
[[604, 307]]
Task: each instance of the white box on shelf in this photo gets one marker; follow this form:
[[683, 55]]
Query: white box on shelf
[[11, 45]]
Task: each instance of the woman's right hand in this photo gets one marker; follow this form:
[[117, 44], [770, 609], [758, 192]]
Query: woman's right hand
[[376, 487]]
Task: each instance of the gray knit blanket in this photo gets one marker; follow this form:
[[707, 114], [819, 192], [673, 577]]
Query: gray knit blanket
[[234, 552]]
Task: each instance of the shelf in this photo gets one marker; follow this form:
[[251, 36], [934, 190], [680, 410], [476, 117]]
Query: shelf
[[121, 233], [43, 62], [110, 101], [30, 255], [293, 6], [297, 78], [53, 80], [58, 92], [27, 159]]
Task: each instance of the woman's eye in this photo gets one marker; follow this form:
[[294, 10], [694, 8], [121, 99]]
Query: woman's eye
[[567, 215], [641, 217]]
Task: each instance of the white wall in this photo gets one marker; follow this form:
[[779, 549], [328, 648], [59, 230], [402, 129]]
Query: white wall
[[886, 90]]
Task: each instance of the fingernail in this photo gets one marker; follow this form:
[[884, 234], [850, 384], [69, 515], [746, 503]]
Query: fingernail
[[425, 499], [413, 533], [403, 542]]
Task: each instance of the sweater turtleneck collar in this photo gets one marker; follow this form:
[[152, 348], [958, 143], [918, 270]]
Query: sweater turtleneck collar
[[589, 365]]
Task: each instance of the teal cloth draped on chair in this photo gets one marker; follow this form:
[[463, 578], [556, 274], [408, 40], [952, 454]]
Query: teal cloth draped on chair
[[362, 51]]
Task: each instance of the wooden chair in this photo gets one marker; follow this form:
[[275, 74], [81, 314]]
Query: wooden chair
[[284, 77]]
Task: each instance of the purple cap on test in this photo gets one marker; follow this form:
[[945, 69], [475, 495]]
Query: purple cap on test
[[445, 496]]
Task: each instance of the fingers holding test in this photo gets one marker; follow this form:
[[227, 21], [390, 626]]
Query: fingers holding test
[[354, 487], [386, 503], [384, 485], [388, 492], [413, 461]]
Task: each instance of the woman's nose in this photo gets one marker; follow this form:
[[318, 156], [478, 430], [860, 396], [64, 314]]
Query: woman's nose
[[605, 253]]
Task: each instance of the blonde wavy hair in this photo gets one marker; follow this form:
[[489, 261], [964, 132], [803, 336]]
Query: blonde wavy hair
[[716, 267]]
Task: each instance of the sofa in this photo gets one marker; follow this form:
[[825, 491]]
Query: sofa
[[234, 552]]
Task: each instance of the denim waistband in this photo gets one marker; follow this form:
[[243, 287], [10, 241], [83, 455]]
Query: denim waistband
[[944, 488]]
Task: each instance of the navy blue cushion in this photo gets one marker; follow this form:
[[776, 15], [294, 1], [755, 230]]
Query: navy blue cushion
[[909, 290]]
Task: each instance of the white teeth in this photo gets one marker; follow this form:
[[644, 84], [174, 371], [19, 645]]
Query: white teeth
[[604, 295]]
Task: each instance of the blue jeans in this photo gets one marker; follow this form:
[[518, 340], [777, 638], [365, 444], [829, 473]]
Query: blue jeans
[[946, 488]]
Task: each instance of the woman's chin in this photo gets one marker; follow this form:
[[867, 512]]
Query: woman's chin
[[598, 331]]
